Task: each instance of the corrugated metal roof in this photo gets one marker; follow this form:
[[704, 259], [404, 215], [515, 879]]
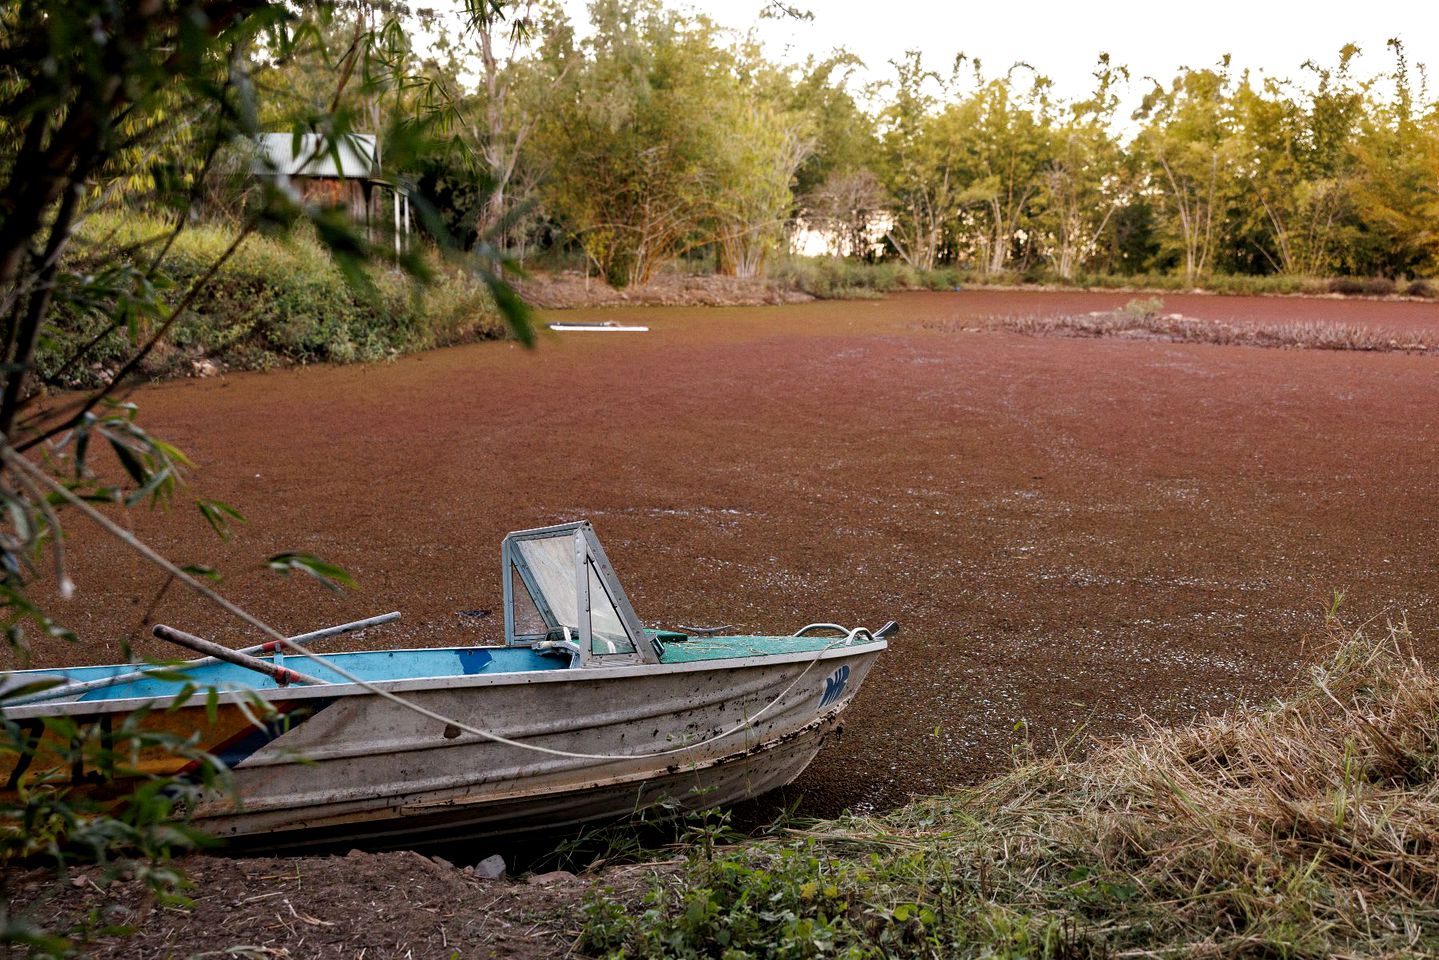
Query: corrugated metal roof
[[314, 155]]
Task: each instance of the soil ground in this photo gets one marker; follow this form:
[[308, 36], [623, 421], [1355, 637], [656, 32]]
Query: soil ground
[[381, 906], [1074, 534]]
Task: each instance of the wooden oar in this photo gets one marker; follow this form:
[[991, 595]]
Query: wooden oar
[[269, 646], [281, 675]]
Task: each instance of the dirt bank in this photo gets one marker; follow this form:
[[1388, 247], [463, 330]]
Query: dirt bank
[[387, 906]]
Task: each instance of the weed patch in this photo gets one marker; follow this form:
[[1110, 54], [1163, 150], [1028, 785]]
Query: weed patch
[[1304, 828], [275, 302], [1144, 320]]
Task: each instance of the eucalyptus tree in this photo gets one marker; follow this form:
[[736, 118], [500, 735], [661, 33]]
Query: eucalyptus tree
[[915, 162], [497, 76], [1396, 191], [1188, 146], [1083, 183]]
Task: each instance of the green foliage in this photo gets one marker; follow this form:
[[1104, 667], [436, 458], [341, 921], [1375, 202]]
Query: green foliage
[[53, 819], [915, 163], [1142, 309], [844, 135], [275, 301], [330, 575], [734, 906], [136, 105], [1188, 152], [1001, 139], [1084, 183], [842, 278], [657, 139], [654, 135], [1301, 192]]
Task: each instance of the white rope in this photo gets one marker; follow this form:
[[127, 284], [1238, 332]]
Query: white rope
[[129, 539]]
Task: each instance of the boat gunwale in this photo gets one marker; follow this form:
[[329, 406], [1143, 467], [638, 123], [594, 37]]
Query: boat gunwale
[[199, 699]]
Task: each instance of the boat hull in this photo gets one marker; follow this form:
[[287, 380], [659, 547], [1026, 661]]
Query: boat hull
[[347, 766], [465, 814]]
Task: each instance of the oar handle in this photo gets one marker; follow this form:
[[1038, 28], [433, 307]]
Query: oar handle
[[281, 675], [76, 689]]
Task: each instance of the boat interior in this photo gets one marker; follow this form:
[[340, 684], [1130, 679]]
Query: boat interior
[[564, 610]]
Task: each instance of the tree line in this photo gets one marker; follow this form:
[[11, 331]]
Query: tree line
[[649, 134]]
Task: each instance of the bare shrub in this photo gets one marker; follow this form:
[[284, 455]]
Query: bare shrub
[[1362, 286], [1424, 289]]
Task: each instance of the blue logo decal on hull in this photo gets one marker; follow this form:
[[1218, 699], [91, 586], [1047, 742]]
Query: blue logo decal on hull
[[834, 686]]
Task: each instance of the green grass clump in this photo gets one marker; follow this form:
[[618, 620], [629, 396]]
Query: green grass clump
[[1142, 309], [1305, 828], [275, 302]]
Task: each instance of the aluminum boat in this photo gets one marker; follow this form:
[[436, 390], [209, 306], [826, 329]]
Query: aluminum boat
[[583, 715]]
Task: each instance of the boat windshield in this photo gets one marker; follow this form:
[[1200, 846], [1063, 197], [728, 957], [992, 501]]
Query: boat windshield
[[607, 630], [562, 588], [551, 565]]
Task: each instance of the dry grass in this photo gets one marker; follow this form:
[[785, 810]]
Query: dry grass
[[1311, 826], [1142, 320], [1307, 828]]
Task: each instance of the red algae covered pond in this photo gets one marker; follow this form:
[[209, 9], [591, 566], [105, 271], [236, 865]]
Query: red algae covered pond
[[1071, 532]]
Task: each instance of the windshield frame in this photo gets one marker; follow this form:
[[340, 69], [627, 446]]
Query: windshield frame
[[587, 553]]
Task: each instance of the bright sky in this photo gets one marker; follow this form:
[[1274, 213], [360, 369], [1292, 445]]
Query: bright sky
[[1063, 38]]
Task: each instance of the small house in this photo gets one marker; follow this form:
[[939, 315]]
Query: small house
[[343, 170]]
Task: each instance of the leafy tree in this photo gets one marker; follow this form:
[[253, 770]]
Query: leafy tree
[[1083, 183], [665, 142], [91, 89], [843, 134], [915, 162], [1131, 243], [965, 172], [1298, 154], [1396, 193], [1191, 155], [758, 148], [1001, 139], [486, 174], [631, 180], [835, 187]]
